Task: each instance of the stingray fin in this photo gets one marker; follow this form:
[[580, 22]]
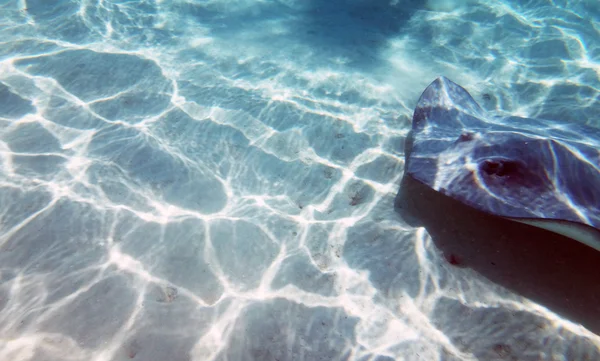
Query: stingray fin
[[579, 232]]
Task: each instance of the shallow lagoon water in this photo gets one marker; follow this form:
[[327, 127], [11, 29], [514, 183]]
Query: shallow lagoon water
[[218, 180]]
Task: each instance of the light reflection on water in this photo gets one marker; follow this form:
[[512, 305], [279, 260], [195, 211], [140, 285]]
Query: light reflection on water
[[212, 180]]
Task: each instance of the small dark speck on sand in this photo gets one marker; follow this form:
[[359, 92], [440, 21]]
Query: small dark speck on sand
[[168, 295], [355, 199], [132, 349]]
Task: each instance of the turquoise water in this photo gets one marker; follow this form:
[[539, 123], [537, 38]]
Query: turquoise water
[[215, 180]]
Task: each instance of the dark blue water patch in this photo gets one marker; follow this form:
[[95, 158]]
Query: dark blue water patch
[[32, 138], [280, 330], [528, 92], [548, 49], [388, 255], [68, 114], [45, 11], [145, 161], [383, 169], [26, 47], [73, 30], [243, 250], [567, 8], [508, 26], [354, 30], [548, 67], [91, 75], [559, 101], [299, 271], [13, 105], [589, 76], [336, 29], [38, 166], [59, 19], [574, 103]]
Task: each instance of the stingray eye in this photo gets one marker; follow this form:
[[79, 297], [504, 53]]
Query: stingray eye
[[501, 168], [490, 167]]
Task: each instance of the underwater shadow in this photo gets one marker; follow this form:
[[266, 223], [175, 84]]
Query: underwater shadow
[[552, 270], [353, 32]]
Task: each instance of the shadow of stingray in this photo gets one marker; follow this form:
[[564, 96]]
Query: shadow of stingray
[[554, 271], [353, 31]]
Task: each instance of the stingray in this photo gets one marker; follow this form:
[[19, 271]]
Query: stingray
[[539, 172]]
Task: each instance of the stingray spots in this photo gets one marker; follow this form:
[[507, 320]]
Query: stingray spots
[[512, 174], [500, 167]]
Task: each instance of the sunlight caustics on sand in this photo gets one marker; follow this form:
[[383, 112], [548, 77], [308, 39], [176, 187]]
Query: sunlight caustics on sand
[[215, 180]]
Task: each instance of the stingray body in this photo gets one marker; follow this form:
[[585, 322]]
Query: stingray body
[[540, 172]]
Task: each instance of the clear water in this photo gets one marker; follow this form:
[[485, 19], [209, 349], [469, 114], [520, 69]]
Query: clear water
[[215, 180]]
